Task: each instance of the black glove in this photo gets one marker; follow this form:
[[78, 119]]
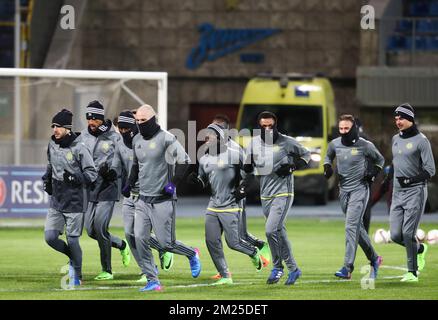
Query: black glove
[[248, 168], [71, 179], [47, 186], [126, 191], [107, 174], [193, 179], [47, 181], [240, 192], [372, 174], [285, 170], [328, 171]]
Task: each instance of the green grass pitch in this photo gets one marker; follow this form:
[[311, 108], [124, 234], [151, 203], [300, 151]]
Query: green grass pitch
[[30, 269]]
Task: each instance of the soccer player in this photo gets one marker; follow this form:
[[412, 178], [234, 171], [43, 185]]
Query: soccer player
[[275, 156], [159, 164], [101, 139], [354, 155], [122, 163], [413, 165], [224, 122], [70, 168], [221, 167]]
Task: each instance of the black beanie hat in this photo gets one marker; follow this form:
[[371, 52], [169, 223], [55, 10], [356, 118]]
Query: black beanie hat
[[267, 115], [126, 120], [95, 111], [63, 119], [405, 111], [218, 130]]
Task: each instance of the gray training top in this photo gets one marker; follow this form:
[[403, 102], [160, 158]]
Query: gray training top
[[102, 150], [352, 161], [221, 172], [156, 159], [410, 156], [122, 164], [268, 158], [77, 160]]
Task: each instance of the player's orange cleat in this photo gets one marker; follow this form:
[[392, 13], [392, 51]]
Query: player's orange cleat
[[265, 262], [218, 276]]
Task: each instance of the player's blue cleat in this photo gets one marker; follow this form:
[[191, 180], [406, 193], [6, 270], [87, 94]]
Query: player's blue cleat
[[375, 267], [292, 277], [343, 273], [75, 282], [195, 264], [275, 276], [152, 286]]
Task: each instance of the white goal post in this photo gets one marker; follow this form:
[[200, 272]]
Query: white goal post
[[17, 73]]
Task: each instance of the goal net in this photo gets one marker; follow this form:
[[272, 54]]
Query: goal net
[[30, 97]]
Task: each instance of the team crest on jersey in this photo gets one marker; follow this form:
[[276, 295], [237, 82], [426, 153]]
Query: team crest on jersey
[[152, 145], [354, 151], [276, 148], [69, 156], [409, 145], [105, 146], [220, 163]]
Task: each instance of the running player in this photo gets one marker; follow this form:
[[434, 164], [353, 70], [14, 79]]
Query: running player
[[70, 168], [353, 156], [413, 165]]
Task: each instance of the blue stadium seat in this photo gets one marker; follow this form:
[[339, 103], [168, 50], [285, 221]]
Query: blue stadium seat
[[433, 8], [424, 26], [6, 40], [421, 43], [396, 42], [6, 59], [432, 43], [404, 26], [419, 9], [7, 10]]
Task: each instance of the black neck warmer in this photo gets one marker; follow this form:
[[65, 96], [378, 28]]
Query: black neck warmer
[[272, 134], [351, 137], [149, 128], [66, 140], [128, 136], [409, 132]]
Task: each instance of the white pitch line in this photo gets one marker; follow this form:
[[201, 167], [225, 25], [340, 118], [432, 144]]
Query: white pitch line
[[394, 268]]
